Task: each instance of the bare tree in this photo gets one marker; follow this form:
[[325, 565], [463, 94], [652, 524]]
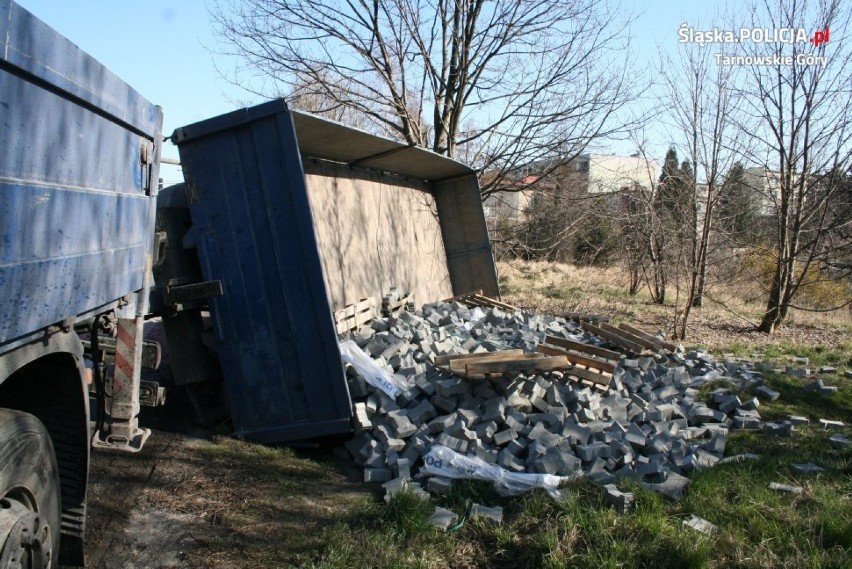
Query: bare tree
[[800, 106], [498, 84], [306, 97], [704, 117], [645, 240]]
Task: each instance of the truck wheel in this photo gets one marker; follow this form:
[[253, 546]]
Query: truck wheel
[[29, 493]]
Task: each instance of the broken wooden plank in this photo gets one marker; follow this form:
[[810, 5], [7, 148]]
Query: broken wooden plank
[[576, 358], [476, 298], [358, 307], [444, 360], [458, 297], [613, 338], [647, 344], [493, 302], [581, 347], [522, 364], [353, 323], [580, 317], [596, 378], [392, 307], [667, 345], [460, 366], [601, 384]]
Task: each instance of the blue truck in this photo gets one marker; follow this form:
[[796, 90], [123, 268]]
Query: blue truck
[[283, 219]]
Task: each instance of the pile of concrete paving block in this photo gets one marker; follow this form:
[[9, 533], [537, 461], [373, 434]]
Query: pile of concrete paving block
[[650, 425]]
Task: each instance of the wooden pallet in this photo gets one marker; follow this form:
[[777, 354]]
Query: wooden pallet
[[583, 348], [616, 337], [353, 316], [586, 369], [649, 337], [476, 298], [495, 364]]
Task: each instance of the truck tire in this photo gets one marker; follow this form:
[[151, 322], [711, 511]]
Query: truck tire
[[29, 493]]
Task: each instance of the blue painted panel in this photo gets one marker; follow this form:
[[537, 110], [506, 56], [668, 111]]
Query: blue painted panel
[[276, 339], [29, 44], [76, 212], [50, 139], [66, 252]]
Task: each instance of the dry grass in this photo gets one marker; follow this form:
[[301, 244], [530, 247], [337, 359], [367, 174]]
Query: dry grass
[[728, 317]]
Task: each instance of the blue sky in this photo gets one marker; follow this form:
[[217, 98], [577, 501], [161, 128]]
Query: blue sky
[[163, 49]]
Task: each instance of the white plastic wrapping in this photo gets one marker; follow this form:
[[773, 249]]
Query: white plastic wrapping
[[389, 383], [442, 461]]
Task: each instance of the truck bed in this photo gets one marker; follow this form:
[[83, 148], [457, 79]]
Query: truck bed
[[78, 172]]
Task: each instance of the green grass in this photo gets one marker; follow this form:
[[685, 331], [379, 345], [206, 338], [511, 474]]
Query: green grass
[[559, 292], [795, 401], [781, 353], [758, 527]]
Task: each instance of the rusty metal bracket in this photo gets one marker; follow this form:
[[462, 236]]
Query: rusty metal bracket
[[151, 394], [195, 291], [151, 352]]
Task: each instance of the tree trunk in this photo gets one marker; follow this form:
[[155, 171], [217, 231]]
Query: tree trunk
[[775, 311], [698, 295], [634, 282]]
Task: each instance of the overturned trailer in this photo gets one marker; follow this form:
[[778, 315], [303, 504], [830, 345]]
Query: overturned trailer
[[285, 217]]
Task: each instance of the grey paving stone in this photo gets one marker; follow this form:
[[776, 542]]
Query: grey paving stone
[[492, 514], [786, 488], [699, 524], [505, 436], [671, 488], [623, 502], [806, 469], [784, 429], [439, 485], [443, 518], [799, 372], [739, 458], [377, 474], [839, 442]]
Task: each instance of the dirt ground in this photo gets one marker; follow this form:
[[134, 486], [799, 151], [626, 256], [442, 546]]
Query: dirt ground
[[192, 495], [120, 533]]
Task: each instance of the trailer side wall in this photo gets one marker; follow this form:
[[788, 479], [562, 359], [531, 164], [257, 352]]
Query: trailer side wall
[[375, 232]]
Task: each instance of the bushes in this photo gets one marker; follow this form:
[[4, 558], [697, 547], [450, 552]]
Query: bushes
[[818, 291]]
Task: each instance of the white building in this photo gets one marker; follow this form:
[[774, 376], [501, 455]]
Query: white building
[[767, 187], [608, 173], [585, 174]]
